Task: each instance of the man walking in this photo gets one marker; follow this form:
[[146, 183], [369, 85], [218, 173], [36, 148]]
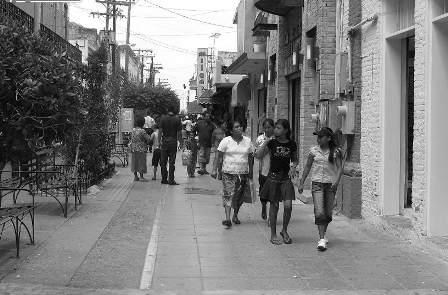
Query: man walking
[[204, 129], [170, 127]]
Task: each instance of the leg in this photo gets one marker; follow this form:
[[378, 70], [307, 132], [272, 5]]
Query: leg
[[273, 211], [319, 208], [136, 176], [155, 173], [287, 209], [262, 180], [163, 163], [172, 163], [329, 201], [235, 216]]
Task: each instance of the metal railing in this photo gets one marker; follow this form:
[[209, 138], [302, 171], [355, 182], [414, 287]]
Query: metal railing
[[9, 10], [61, 45]]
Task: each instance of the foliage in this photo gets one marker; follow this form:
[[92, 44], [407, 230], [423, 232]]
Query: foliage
[[39, 101], [155, 99]]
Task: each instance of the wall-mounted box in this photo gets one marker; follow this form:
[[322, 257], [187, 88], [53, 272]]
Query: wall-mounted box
[[341, 73], [347, 112]]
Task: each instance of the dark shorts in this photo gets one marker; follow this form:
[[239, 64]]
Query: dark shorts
[[157, 154]]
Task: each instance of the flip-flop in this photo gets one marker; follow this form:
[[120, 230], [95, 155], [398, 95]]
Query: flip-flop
[[227, 223], [236, 220], [286, 238], [275, 242]]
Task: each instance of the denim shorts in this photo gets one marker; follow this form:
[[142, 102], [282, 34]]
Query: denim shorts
[[323, 198]]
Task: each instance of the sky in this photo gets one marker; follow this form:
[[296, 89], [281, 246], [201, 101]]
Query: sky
[[173, 29]]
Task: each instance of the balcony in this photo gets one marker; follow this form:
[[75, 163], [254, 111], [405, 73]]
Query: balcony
[[262, 27], [61, 45], [278, 7]]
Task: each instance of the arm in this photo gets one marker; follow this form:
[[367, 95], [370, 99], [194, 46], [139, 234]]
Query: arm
[[293, 165], [160, 134], [308, 166], [216, 163], [338, 160], [263, 150]]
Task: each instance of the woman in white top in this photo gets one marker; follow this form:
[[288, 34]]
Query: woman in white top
[[236, 152], [326, 160]]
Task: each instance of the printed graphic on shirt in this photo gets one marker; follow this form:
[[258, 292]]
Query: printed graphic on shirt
[[282, 151]]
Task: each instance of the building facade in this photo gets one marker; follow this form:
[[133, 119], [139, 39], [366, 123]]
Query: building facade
[[371, 70], [86, 39]]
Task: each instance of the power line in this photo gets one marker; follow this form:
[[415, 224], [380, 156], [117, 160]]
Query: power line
[[190, 18], [194, 10], [185, 35]]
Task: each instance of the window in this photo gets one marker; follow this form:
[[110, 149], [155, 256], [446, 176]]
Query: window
[[405, 14], [202, 68]]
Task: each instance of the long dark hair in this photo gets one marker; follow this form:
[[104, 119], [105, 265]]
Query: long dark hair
[[286, 125], [331, 144]]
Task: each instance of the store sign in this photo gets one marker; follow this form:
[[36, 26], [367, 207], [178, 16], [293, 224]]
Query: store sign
[[202, 71]]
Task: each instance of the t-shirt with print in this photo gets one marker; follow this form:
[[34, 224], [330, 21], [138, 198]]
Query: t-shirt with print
[[236, 155], [281, 154]]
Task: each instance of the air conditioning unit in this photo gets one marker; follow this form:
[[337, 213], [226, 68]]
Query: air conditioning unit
[[347, 112]]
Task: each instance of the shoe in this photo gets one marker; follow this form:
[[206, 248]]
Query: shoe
[[154, 178], [205, 172], [322, 245], [227, 223], [191, 176], [173, 183], [236, 220], [326, 240], [201, 172], [164, 182]]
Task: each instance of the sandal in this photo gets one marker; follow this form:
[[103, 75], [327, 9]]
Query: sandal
[[227, 223], [136, 179], [275, 241], [236, 220], [286, 238]]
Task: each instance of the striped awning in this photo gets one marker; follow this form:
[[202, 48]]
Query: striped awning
[[194, 108], [208, 98]]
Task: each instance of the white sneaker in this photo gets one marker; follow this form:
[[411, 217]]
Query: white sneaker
[[322, 245], [326, 240]]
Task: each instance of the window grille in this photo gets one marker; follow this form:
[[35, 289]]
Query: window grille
[[405, 14]]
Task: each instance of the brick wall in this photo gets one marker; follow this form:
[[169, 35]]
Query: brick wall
[[271, 48], [370, 150], [420, 90]]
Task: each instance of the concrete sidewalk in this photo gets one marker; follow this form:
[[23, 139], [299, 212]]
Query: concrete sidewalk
[[196, 253], [190, 252]]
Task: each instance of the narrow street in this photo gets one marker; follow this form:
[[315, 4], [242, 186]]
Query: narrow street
[[110, 246]]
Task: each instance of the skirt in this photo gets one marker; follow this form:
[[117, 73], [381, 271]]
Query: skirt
[[278, 188], [138, 163], [236, 190]]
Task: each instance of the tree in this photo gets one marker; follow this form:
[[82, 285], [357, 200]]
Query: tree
[[155, 99], [39, 88]]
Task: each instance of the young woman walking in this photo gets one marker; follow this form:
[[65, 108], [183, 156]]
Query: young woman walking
[[265, 160], [235, 154], [278, 187], [326, 160]]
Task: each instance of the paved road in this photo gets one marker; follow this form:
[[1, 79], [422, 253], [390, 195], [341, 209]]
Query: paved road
[[106, 246]]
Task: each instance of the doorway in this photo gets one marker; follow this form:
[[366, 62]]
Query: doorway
[[409, 112], [294, 108]]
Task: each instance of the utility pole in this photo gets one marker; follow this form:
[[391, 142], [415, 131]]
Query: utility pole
[[128, 33], [143, 60]]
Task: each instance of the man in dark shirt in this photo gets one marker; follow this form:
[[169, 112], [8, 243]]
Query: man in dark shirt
[[170, 126], [205, 129]]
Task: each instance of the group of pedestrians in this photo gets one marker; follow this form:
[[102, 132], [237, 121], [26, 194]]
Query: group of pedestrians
[[234, 164], [277, 154]]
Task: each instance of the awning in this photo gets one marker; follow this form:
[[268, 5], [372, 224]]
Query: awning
[[194, 108], [208, 98], [278, 7], [251, 62], [241, 92]]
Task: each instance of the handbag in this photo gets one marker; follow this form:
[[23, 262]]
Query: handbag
[[186, 157]]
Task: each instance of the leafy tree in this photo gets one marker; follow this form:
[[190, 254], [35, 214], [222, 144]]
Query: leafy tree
[[155, 99], [39, 92]]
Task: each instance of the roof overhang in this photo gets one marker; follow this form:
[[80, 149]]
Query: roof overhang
[[278, 7], [246, 63], [263, 29], [241, 92], [208, 98]]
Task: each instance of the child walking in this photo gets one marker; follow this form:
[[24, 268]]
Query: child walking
[[157, 151], [326, 160], [278, 187], [192, 145]]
